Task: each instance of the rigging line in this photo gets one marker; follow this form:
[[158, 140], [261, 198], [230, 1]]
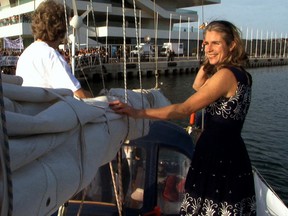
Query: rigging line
[[156, 53], [70, 53], [202, 11], [63, 208], [67, 28], [125, 62], [84, 193], [85, 77], [96, 36], [119, 165], [137, 44], [115, 188], [120, 199], [200, 62], [139, 62], [124, 49]]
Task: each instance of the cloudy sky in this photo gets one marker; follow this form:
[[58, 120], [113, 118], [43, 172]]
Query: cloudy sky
[[264, 15]]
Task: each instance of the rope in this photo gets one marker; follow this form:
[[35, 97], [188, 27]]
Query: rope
[[96, 36], [200, 62], [84, 192], [202, 11], [115, 189], [119, 196], [189, 128], [124, 49], [67, 24], [156, 52], [137, 43], [7, 202], [69, 48], [139, 61], [99, 56]]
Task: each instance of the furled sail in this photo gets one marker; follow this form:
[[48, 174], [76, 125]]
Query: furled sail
[[57, 142]]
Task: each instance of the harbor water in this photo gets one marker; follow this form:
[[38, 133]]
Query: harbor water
[[265, 131]]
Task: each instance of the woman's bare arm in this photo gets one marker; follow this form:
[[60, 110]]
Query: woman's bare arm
[[200, 79], [223, 83]]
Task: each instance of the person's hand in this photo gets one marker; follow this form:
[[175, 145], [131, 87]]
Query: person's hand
[[123, 108]]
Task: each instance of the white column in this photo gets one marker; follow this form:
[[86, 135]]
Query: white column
[[188, 37], [285, 44], [256, 48], [170, 27], [179, 37]]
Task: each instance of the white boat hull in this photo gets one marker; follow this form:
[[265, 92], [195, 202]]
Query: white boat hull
[[267, 202]]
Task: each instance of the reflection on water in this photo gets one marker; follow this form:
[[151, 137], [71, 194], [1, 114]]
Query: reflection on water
[[265, 131]]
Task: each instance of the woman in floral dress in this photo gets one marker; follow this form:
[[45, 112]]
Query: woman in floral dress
[[220, 180]]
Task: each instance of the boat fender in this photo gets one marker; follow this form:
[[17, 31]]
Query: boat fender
[[192, 119]]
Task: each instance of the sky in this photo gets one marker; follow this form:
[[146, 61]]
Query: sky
[[261, 15]]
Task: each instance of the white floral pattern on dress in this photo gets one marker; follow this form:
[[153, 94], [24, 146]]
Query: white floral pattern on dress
[[240, 103], [209, 208]]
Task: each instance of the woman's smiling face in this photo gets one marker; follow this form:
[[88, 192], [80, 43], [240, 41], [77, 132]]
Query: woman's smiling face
[[216, 49]]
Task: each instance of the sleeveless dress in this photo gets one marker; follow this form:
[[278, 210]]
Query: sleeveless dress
[[220, 179]]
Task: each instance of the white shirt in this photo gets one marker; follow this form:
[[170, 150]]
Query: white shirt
[[42, 66]]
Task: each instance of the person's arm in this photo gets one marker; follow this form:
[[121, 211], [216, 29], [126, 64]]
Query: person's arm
[[81, 93], [223, 83], [200, 79]]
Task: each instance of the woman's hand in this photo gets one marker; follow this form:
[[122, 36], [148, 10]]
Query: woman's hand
[[123, 108]]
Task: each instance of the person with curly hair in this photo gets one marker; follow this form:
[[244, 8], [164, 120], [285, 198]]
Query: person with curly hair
[[41, 64], [220, 179]]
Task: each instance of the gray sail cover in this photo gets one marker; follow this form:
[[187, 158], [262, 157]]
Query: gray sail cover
[[57, 143]]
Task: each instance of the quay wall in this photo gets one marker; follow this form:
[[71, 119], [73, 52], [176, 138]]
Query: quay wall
[[180, 66]]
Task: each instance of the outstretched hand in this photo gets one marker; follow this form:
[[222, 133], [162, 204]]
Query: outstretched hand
[[123, 108]]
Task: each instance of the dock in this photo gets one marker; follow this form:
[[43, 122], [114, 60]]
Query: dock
[[115, 70]]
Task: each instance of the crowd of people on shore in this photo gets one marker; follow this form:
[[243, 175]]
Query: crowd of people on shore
[[84, 57], [87, 56], [9, 52], [8, 69], [15, 19]]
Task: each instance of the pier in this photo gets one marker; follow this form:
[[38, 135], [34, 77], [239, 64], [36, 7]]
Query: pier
[[115, 70]]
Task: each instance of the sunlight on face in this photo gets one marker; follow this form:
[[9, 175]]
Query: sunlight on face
[[216, 49]]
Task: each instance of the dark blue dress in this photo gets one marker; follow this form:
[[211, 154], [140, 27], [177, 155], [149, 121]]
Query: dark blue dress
[[220, 179]]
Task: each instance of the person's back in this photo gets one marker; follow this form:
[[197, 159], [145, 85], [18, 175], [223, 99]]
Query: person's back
[[41, 65]]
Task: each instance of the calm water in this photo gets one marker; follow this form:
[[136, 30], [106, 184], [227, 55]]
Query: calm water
[[265, 131]]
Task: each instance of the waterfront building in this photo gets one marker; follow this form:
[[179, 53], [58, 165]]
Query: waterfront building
[[106, 25]]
